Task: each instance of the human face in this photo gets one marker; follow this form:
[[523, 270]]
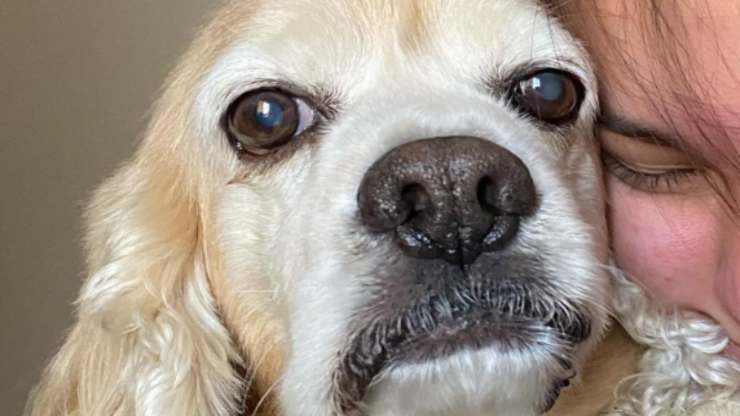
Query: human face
[[671, 229]]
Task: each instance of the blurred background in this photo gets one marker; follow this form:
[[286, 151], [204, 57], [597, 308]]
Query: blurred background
[[77, 79]]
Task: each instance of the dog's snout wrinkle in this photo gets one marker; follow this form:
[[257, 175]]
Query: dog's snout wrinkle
[[447, 197]]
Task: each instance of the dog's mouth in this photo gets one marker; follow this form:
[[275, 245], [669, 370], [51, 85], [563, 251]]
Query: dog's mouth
[[473, 312]]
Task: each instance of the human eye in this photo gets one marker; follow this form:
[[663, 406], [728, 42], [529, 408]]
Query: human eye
[[649, 165]]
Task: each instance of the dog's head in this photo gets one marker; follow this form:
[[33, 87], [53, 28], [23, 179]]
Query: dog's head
[[396, 204]]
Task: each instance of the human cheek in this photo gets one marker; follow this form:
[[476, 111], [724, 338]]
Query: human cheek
[[666, 242], [728, 281]]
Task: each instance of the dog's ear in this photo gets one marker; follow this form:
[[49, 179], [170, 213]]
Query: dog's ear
[[148, 339]]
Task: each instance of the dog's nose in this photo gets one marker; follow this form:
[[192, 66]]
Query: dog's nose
[[447, 197]]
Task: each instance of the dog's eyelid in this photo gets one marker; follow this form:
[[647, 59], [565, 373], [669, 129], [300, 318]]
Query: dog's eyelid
[[549, 95], [319, 98], [502, 84], [525, 70], [261, 120], [308, 115]]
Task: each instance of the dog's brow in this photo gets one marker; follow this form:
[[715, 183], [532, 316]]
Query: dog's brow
[[415, 28]]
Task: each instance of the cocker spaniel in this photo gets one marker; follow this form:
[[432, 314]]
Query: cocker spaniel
[[350, 208]]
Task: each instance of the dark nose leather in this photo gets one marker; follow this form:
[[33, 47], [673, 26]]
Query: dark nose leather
[[447, 197]]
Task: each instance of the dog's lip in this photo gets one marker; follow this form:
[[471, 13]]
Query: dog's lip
[[367, 360], [484, 328], [478, 330]]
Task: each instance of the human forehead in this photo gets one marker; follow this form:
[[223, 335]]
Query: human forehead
[[322, 42], [691, 74]]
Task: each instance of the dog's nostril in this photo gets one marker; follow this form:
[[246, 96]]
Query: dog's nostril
[[416, 198], [506, 198], [447, 197], [488, 195]]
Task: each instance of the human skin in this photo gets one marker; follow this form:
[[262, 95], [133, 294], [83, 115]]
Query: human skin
[[672, 230]]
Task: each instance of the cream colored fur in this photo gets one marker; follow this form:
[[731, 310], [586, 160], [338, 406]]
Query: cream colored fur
[[194, 268], [682, 372], [149, 339]]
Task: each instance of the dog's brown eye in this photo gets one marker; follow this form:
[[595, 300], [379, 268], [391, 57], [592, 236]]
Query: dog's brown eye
[[263, 120], [552, 96]]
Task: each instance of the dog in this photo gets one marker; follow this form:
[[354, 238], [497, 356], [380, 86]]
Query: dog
[[352, 208]]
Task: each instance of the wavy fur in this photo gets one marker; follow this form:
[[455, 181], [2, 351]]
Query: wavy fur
[[161, 330], [149, 339], [682, 373]]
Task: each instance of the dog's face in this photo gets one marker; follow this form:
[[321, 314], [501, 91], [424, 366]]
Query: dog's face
[[393, 207], [413, 208]]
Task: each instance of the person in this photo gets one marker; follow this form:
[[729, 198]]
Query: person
[[670, 133]]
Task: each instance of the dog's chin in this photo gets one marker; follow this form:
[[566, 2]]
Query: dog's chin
[[494, 380], [482, 340], [484, 367]]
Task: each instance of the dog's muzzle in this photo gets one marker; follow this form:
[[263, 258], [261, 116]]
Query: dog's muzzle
[[451, 207], [450, 198]]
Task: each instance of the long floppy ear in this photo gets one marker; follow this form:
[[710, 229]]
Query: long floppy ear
[[148, 340]]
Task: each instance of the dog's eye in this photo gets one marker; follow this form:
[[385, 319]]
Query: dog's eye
[[263, 120], [550, 95]]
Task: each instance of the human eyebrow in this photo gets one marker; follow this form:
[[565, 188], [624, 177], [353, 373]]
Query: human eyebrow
[[622, 126]]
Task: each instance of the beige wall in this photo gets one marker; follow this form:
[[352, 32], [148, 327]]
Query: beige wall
[[76, 80]]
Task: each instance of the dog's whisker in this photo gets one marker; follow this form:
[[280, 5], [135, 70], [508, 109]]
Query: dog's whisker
[[265, 395], [260, 291], [254, 369]]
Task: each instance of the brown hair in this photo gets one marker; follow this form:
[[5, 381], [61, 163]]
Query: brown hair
[[667, 32]]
